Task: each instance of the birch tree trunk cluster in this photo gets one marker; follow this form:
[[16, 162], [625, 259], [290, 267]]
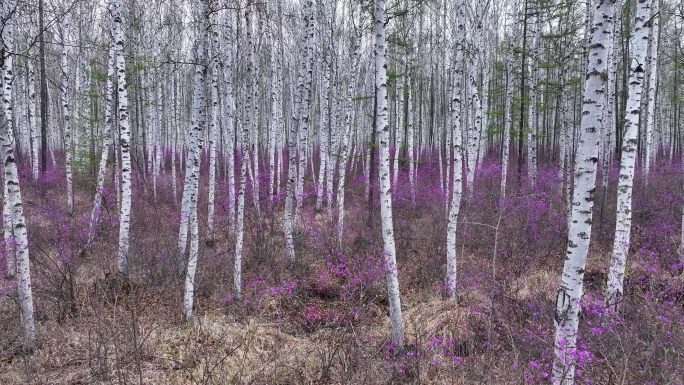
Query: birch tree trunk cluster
[[262, 115]]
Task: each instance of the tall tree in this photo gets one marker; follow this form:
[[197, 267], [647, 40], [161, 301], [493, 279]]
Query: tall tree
[[570, 291], [109, 111], [66, 112], [124, 138], [508, 99], [623, 222], [298, 126], [457, 150], [382, 125], [189, 222], [13, 212]]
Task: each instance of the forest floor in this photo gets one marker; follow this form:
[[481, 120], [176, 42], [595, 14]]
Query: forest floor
[[325, 320]]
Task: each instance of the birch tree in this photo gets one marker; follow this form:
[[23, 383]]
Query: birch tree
[[570, 292], [508, 98], [124, 138], [244, 140], [457, 147], [13, 212], [213, 129], [102, 170], [191, 186], [346, 136], [652, 65], [325, 115], [299, 122], [623, 222], [535, 33], [32, 115], [382, 123], [66, 112]]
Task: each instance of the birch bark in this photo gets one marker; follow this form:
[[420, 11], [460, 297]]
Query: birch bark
[[213, 129], [346, 139], [384, 177], [191, 185], [13, 206], [66, 112], [570, 291], [505, 151], [623, 222], [652, 64], [124, 139], [109, 110], [535, 32], [457, 148], [299, 122]]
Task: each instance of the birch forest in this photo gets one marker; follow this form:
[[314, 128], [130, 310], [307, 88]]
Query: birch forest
[[342, 192]]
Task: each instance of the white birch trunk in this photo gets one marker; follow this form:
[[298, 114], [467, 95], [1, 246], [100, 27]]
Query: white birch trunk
[[534, 31], [325, 115], [191, 185], [400, 126], [174, 139], [213, 129], [389, 249], [228, 114], [508, 99], [304, 113], [652, 65], [194, 148], [609, 112], [102, 171], [623, 222], [299, 122], [124, 139], [68, 143], [8, 115], [13, 213], [33, 117], [457, 149], [346, 141], [244, 138], [333, 150], [570, 291], [410, 131]]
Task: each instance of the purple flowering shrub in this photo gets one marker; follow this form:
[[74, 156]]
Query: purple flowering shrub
[[333, 300]]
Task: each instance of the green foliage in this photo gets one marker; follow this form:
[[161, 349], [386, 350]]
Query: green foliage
[[546, 65], [391, 75], [575, 81], [361, 97]]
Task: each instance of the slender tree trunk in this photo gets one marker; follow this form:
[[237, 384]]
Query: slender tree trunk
[[346, 139], [570, 292], [13, 214], [299, 123], [303, 129], [43, 92], [652, 63], [389, 249], [533, 126], [32, 115], [97, 204], [508, 99], [213, 129], [191, 185], [66, 111], [244, 137], [623, 221], [124, 139], [457, 150]]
